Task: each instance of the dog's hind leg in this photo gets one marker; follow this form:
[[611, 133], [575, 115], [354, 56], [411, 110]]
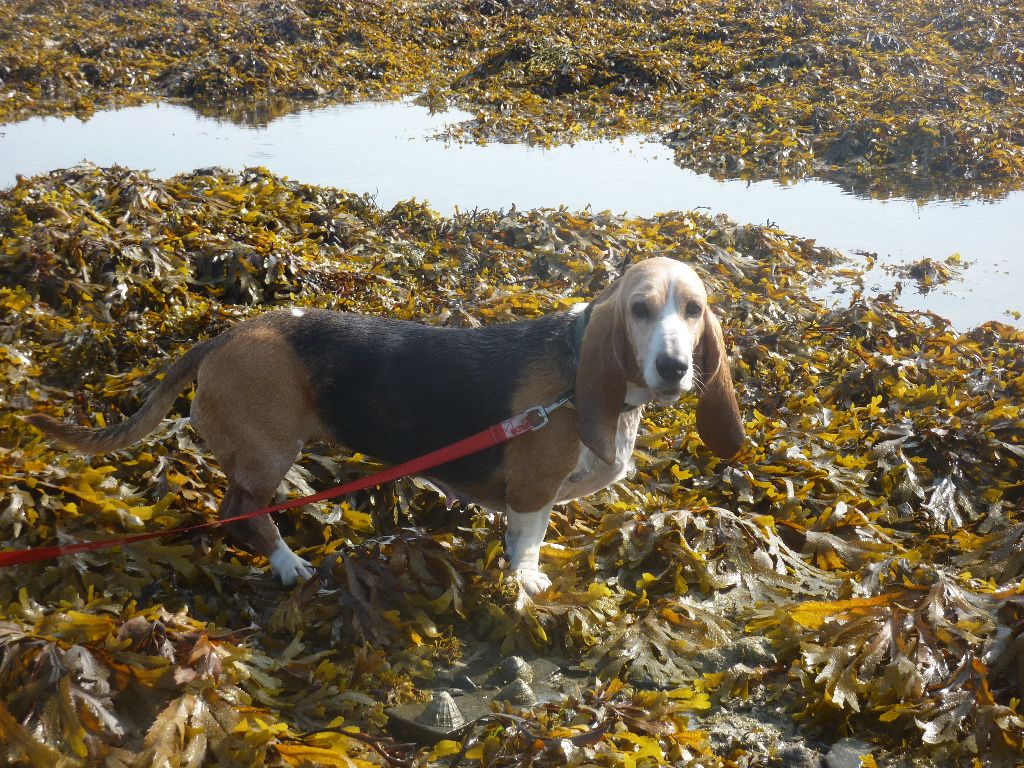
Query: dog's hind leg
[[254, 408], [255, 457], [261, 535]]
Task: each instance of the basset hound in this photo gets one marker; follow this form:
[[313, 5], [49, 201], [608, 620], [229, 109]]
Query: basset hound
[[396, 389]]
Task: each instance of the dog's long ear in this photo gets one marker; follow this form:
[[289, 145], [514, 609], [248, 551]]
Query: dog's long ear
[[600, 377], [718, 414]]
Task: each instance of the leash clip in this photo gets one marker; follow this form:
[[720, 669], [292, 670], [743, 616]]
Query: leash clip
[[536, 417], [533, 418]]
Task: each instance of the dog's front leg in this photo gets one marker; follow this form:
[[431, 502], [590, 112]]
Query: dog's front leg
[[524, 536]]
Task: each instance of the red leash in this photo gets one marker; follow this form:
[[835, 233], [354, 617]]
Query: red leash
[[527, 421]]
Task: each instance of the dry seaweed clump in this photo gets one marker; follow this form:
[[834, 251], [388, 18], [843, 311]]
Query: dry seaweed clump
[[248, 60], [908, 97], [857, 571], [912, 98]]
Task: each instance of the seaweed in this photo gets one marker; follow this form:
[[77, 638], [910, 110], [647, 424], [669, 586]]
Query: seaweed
[[857, 569], [918, 98]]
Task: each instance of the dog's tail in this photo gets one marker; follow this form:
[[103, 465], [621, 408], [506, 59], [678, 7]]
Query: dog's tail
[[143, 421]]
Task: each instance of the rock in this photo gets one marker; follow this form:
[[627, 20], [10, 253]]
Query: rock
[[797, 756], [846, 753], [752, 651], [733, 731]]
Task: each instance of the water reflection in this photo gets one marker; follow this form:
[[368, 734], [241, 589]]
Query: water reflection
[[249, 114], [384, 149]]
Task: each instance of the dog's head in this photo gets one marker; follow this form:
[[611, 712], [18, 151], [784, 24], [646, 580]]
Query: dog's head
[[651, 334]]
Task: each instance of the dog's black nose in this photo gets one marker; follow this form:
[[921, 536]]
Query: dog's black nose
[[671, 368]]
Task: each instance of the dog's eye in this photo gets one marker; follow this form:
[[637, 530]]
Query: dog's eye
[[640, 310], [694, 308]]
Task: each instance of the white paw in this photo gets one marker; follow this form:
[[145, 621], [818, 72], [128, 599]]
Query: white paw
[[289, 567], [532, 581]]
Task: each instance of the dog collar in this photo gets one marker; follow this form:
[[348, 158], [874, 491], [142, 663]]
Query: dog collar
[[576, 337]]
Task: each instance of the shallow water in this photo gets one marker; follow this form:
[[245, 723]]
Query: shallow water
[[386, 149]]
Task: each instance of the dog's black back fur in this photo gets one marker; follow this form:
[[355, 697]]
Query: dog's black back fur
[[396, 389]]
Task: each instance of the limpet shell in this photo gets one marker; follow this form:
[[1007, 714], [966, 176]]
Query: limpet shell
[[442, 712], [517, 692], [515, 667]]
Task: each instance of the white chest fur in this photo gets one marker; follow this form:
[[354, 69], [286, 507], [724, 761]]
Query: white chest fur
[[591, 473]]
